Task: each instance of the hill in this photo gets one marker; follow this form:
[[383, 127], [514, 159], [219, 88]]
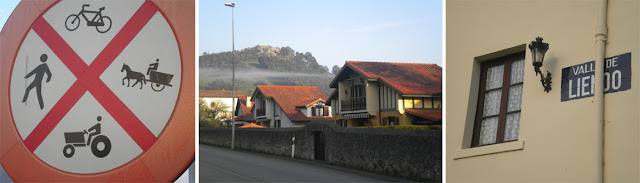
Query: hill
[[263, 65]]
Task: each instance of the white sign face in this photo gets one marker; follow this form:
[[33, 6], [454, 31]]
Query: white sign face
[[94, 83]]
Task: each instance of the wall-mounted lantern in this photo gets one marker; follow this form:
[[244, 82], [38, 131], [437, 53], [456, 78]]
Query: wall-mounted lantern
[[538, 49]]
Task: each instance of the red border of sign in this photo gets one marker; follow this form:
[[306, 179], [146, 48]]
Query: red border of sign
[[172, 153]]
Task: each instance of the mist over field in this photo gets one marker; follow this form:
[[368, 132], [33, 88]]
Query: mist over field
[[247, 80]]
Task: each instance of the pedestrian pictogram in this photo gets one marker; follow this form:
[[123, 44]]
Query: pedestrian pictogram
[[103, 129], [100, 146], [158, 80], [102, 23], [39, 72]]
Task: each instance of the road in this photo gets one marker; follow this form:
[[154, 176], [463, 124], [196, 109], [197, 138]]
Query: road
[[224, 165]]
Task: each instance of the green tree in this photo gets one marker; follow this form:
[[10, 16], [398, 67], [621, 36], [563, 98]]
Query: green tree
[[335, 69], [212, 114]]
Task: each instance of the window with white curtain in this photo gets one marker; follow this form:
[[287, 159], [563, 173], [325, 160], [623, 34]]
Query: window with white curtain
[[499, 100]]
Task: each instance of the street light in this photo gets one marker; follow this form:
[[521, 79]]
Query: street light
[[233, 80], [538, 49]]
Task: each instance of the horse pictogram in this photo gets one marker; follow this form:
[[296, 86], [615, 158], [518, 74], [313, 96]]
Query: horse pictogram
[[139, 77]]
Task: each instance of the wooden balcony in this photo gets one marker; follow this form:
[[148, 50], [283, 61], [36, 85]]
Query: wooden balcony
[[353, 104]]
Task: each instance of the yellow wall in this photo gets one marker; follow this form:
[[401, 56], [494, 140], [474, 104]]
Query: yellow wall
[[373, 98], [555, 138]]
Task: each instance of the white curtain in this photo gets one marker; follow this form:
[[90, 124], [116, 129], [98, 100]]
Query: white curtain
[[494, 77], [512, 125], [488, 131], [489, 126]]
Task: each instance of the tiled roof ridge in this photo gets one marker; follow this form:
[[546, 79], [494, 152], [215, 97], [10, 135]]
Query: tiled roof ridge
[[354, 66], [307, 103]]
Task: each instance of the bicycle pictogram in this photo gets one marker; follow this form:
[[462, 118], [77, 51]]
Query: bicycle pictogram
[[102, 23]]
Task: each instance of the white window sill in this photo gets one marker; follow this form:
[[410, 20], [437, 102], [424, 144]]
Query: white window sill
[[489, 149]]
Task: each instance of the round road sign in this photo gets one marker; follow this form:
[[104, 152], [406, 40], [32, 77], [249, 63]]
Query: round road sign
[[96, 91]]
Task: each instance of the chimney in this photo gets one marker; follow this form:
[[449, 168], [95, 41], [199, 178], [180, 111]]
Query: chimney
[[249, 101]]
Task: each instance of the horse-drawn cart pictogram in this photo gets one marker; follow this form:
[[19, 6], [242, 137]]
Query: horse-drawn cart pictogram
[[158, 80]]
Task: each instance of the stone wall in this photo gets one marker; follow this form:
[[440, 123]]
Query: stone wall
[[411, 154]]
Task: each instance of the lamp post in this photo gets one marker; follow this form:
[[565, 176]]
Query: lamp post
[[538, 49], [233, 80]]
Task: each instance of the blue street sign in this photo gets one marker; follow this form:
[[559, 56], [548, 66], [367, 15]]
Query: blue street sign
[[577, 81]]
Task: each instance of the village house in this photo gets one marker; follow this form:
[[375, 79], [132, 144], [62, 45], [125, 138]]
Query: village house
[[378, 93], [225, 97], [288, 106], [576, 123], [243, 111]]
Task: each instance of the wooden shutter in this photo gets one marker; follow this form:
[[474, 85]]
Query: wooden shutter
[[325, 111], [313, 111]]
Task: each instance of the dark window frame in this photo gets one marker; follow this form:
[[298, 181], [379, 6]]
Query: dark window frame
[[507, 61]]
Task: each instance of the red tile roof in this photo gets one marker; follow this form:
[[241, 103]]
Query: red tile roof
[[246, 111], [218, 94], [430, 114], [288, 97], [406, 78]]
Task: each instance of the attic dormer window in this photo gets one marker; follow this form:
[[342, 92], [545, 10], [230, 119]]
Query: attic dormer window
[[320, 110]]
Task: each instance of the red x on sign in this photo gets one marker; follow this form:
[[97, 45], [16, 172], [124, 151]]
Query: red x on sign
[[88, 80], [152, 138]]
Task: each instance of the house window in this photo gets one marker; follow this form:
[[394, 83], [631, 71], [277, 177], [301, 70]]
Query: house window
[[417, 103], [393, 120], [357, 91], [499, 100], [343, 123], [278, 124], [408, 102]]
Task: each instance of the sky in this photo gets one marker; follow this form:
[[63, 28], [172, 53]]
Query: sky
[[6, 7], [333, 31]]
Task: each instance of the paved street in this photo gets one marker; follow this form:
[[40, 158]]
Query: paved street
[[224, 165]]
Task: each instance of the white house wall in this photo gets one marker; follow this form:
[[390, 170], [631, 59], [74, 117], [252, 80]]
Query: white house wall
[[285, 122], [269, 108], [305, 111]]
